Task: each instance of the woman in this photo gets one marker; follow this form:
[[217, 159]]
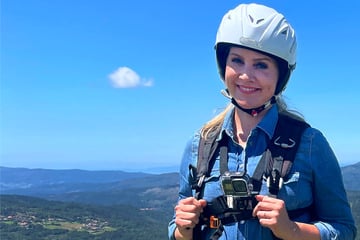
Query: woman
[[255, 52]]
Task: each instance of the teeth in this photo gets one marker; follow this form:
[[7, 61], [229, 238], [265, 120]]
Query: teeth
[[247, 89]]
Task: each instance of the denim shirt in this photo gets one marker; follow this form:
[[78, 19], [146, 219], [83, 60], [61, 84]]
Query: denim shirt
[[315, 178]]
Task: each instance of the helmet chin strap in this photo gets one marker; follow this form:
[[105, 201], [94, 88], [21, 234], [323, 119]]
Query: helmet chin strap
[[252, 111]]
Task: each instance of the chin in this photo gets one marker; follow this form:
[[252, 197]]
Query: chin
[[247, 105]]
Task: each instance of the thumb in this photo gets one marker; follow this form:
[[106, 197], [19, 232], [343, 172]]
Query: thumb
[[202, 203], [259, 198]]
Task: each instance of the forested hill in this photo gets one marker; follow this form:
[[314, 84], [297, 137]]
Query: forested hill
[[29, 218]]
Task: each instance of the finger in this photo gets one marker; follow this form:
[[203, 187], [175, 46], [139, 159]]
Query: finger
[[188, 200], [266, 215], [191, 204], [263, 203], [199, 203], [193, 217], [183, 223], [268, 199], [191, 201], [262, 206], [261, 215], [268, 204], [186, 208], [187, 218]]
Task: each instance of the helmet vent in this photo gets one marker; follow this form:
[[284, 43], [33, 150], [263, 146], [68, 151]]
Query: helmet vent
[[257, 21], [285, 31]]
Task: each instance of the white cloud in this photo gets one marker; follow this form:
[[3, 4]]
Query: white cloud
[[125, 77]]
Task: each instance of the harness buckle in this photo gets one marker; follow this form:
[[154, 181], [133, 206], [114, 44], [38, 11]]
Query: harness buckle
[[201, 181], [274, 182], [214, 222]]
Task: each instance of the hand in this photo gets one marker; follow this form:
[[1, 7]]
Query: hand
[[187, 214], [272, 213]]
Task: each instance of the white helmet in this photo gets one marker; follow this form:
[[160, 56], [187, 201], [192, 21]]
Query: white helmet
[[259, 28]]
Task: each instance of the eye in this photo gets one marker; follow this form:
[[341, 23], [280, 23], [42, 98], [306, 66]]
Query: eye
[[261, 65], [237, 60]]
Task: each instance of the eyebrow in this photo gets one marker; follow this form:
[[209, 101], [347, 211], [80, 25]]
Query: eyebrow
[[265, 58]]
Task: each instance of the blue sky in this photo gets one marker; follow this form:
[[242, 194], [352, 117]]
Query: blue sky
[[64, 102]]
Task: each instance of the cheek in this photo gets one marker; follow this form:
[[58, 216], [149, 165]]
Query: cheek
[[228, 71], [270, 81], [270, 87], [274, 84], [226, 83], [228, 75]]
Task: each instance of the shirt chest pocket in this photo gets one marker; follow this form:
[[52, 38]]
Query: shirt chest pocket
[[296, 191], [212, 186]]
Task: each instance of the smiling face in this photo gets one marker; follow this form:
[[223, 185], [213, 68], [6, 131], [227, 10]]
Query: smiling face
[[250, 77]]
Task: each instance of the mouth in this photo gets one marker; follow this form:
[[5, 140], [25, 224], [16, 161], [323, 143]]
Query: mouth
[[247, 90]]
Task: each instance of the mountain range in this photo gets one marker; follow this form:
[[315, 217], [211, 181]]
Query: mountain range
[[104, 197], [94, 187], [110, 187]]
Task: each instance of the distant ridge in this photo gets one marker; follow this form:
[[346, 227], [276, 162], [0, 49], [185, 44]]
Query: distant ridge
[[39, 175], [351, 176], [95, 187], [62, 184]]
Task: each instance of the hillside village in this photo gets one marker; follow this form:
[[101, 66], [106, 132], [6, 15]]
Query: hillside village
[[28, 221]]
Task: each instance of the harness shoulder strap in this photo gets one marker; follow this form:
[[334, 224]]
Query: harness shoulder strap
[[206, 151], [285, 143], [207, 148]]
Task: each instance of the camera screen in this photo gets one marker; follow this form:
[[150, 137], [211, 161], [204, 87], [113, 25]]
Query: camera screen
[[239, 186], [228, 188]]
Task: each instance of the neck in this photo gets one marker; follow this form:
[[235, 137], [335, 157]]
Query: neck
[[243, 124]]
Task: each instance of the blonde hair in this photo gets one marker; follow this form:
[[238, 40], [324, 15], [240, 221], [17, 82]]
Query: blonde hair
[[218, 120]]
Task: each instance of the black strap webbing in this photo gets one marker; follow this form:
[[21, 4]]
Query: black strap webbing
[[223, 159], [207, 148], [257, 177]]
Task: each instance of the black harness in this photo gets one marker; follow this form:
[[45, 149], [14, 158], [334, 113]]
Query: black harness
[[274, 165]]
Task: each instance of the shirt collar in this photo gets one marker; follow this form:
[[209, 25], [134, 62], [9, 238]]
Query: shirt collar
[[267, 124]]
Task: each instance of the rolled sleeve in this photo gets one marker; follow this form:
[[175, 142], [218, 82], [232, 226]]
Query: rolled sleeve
[[171, 229]]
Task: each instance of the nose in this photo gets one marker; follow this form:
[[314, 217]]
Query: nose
[[244, 76], [245, 73]]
